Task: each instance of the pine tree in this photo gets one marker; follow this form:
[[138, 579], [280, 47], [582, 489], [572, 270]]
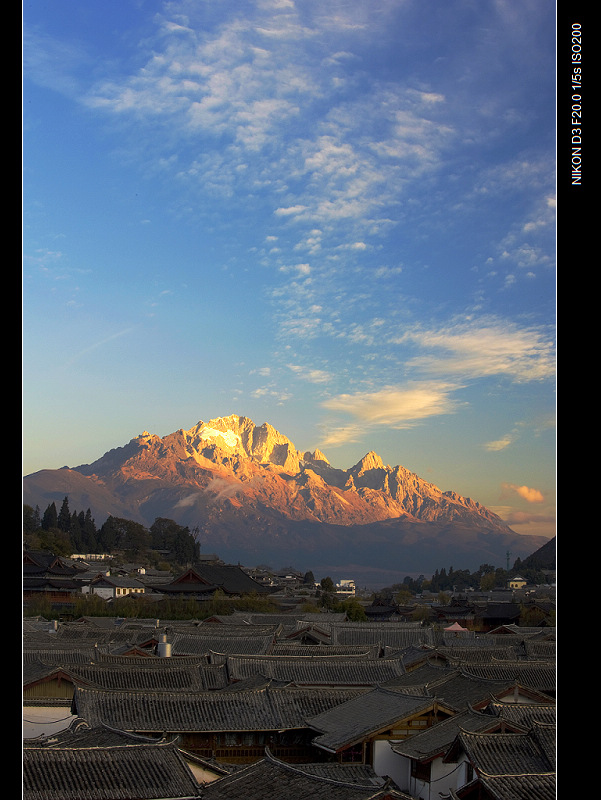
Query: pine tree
[[89, 533], [64, 517], [50, 518], [75, 533]]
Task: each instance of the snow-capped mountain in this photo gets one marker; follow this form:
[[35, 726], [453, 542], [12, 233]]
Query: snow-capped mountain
[[252, 496]]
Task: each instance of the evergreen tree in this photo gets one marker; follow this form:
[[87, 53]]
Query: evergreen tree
[[31, 519], [50, 518], [177, 539], [64, 517], [89, 533], [75, 534]]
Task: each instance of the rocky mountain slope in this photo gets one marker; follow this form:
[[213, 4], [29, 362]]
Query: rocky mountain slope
[[253, 497]]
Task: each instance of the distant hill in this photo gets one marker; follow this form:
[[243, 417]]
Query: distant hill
[[543, 558], [252, 497]]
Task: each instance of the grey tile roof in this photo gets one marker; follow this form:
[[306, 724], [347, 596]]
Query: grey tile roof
[[291, 648], [526, 714], [456, 689], [80, 734], [129, 674], [210, 711], [512, 766], [539, 675], [352, 722], [170, 678], [130, 772], [435, 741], [201, 642], [520, 787], [209, 577], [398, 635], [58, 656], [316, 670], [270, 779]]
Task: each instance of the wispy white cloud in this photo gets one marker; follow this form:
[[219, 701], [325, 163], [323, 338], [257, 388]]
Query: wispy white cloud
[[310, 375], [392, 406], [499, 444], [480, 348]]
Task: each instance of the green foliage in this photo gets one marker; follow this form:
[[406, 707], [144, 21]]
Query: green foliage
[[65, 533], [353, 609]]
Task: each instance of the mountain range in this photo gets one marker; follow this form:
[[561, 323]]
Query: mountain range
[[252, 497]]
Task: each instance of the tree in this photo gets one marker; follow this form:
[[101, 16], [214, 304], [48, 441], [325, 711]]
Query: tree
[[327, 584], [168, 535], [354, 610], [50, 517], [31, 519], [124, 534], [403, 596], [75, 534], [89, 534], [488, 581], [64, 517]]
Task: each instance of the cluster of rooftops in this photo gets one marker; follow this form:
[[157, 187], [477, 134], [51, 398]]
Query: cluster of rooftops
[[280, 706]]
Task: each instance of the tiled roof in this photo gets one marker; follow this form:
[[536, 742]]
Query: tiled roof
[[202, 642], [539, 675], [456, 689], [148, 679], [209, 711], [512, 765], [388, 634], [316, 670], [208, 577], [130, 772], [526, 714], [351, 722], [291, 648], [458, 655], [539, 649], [270, 779], [436, 740], [80, 734], [520, 787]]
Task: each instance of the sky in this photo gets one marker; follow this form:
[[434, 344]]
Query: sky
[[335, 218]]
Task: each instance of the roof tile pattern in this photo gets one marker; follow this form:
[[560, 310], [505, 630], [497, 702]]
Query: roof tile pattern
[[144, 772]]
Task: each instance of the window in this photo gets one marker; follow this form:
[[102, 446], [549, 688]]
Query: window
[[420, 770]]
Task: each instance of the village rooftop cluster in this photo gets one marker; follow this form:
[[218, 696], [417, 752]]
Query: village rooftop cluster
[[460, 705]]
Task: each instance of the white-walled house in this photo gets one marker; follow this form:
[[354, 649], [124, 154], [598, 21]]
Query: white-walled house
[[429, 764], [113, 588]]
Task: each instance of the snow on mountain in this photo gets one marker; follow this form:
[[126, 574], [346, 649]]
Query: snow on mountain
[[249, 492]]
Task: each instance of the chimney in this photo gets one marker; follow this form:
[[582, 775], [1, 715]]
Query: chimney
[[163, 647]]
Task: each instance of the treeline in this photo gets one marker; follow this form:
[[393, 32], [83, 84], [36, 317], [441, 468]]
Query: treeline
[[65, 532], [485, 578], [141, 606]]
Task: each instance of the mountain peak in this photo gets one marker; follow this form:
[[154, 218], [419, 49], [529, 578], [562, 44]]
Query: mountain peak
[[246, 488], [369, 461]]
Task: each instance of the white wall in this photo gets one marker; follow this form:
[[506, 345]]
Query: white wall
[[387, 762], [442, 777], [40, 720]]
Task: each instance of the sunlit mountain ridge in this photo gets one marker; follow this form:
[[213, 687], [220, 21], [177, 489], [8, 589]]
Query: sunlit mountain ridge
[[251, 496]]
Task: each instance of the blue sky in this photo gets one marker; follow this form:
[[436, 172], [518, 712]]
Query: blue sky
[[336, 218]]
